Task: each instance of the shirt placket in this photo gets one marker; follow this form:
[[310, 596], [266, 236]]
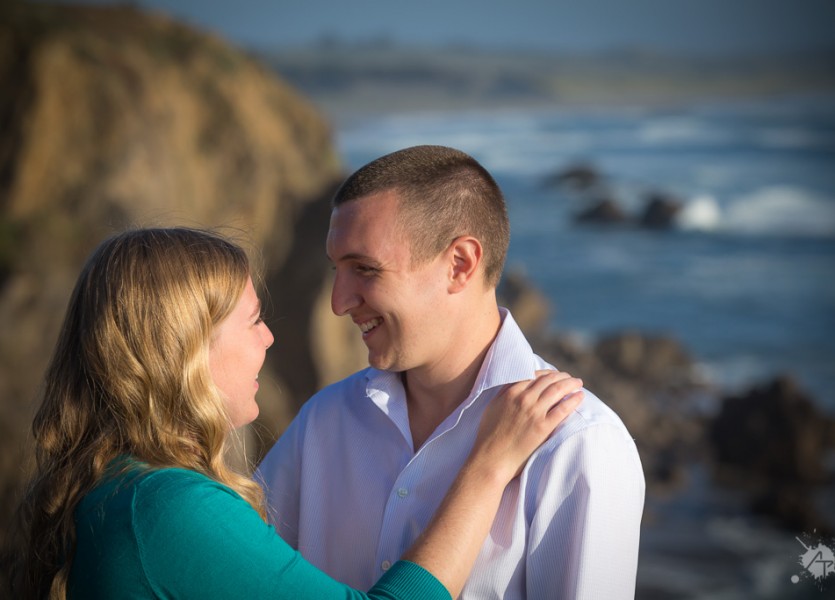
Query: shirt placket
[[399, 514]]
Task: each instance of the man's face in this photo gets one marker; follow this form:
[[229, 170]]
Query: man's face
[[397, 306]]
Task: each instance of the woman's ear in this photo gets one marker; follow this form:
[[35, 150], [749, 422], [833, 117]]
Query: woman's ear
[[465, 255]]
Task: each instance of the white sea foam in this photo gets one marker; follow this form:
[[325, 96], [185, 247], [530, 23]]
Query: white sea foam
[[781, 209], [770, 210], [702, 213]]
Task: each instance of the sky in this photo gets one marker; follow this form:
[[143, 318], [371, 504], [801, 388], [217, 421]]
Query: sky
[[676, 26]]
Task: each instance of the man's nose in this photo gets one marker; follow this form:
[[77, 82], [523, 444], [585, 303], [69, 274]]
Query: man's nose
[[343, 295]]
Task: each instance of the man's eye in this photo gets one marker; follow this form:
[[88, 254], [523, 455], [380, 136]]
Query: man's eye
[[365, 270]]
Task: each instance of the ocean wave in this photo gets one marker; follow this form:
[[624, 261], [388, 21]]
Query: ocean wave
[[701, 213], [679, 131], [782, 209], [778, 210]]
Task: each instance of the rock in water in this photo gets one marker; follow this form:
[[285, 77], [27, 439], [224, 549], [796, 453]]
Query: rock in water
[[772, 442], [605, 211], [660, 211]]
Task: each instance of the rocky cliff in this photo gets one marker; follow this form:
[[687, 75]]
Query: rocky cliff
[[111, 118]]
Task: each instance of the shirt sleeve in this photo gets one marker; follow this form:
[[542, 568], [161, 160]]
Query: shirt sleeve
[[585, 530], [199, 539]]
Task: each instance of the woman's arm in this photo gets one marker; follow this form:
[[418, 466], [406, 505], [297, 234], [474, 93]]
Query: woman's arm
[[181, 534], [516, 423]]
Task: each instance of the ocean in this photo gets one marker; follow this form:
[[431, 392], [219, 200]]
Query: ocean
[[745, 278]]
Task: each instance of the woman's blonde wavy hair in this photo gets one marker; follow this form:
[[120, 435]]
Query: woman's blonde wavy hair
[[130, 376]]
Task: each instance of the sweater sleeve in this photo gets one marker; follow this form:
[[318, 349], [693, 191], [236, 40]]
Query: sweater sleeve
[[200, 539]]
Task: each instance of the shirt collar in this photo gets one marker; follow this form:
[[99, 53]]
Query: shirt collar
[[509, 359]]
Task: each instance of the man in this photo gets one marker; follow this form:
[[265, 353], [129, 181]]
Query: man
[[418, 239]]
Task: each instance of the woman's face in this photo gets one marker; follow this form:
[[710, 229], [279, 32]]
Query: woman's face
[[237, 354]]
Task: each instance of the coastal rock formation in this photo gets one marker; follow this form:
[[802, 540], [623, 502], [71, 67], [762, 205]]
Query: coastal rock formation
[[530, 307], [771, 432], [111, 118], [655, 360], [602, 203], [578, 177], [772, 442], [660, 211], [603, 211]]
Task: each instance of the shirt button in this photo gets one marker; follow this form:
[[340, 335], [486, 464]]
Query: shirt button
[[402, 492], [386, 565]]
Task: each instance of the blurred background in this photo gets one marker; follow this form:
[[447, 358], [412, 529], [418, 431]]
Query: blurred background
[[669, 169]]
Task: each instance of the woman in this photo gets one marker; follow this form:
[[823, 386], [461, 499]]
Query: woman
[[156, 362]]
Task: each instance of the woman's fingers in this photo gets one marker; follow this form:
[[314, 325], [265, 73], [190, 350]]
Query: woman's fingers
[[533, 404], [542, 404], [546, 391], [523, 415], [565, 406], [535, 386]]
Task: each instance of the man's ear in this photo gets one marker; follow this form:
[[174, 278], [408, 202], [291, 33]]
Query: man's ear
[[465, 254]]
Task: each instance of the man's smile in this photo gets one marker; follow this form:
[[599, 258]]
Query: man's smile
[[367, 326]]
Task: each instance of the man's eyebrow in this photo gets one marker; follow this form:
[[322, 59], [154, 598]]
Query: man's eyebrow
[[357, 256], [257, 310]]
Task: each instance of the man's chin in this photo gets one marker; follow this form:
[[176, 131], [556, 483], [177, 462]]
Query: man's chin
[[381, 363], [377, 363]]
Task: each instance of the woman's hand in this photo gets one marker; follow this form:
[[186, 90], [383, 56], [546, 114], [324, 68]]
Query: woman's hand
[[522, 417]]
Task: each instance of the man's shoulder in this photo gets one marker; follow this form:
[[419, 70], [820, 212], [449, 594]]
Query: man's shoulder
[[592, 412], [592, 417], [590, 443]]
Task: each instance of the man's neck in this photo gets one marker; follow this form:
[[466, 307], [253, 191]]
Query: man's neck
[[433, 394]]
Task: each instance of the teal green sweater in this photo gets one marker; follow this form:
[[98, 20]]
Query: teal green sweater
[[174, 533]]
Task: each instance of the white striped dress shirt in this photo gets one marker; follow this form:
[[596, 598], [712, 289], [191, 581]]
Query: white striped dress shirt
[[347, 490]]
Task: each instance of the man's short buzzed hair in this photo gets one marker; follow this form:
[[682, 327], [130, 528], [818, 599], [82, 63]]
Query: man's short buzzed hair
[[443, 194]]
